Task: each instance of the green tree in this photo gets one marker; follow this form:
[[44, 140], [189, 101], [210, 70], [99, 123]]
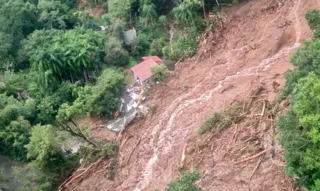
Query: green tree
[[101, 99], [119, 9], [185, 13], [156, 47], [300, 127], [18, 19], [105, 96], [140, 46], [148, 14], [305, 60], [45, 151], [14, 135], [115, 54], [69, 55], [55, 14], [313, 18], [6, 58]]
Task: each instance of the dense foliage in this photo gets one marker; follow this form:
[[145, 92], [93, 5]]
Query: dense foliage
[[59, 64], [300, 132]]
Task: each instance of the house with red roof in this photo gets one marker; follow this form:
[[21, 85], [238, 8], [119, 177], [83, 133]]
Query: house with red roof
[[142, 71], [155, 58]]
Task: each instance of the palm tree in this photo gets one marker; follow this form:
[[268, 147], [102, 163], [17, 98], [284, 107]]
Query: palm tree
[[183, 13], [149, 13]]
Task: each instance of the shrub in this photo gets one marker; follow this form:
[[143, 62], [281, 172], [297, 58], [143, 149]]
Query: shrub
[[181, 48], [316, 33], [159, 72], [117, 57], [186, 182], [218, 121], [140, 45], [157, 46], [115, 54], [313, 18]]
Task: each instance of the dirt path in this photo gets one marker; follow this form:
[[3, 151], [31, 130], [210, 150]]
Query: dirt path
[[252, 49]]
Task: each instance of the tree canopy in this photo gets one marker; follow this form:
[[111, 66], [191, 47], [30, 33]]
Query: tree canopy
[[300, 133]]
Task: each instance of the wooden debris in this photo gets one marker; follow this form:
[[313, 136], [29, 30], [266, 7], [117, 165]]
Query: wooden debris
[[255, 168], [254, 95], [226, 89], [254, 156], [234, 137], [71, 179], [104, 168], [125, 141], [183, 156], [263, 108], [135, 146]]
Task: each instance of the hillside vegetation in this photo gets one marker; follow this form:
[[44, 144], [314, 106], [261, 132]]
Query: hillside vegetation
[[300, 127]]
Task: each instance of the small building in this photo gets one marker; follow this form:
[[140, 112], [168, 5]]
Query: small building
[[129, 36], [142, 71]]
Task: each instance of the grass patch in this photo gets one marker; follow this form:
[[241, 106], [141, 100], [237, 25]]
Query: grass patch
[[221, 120], [132, 62]]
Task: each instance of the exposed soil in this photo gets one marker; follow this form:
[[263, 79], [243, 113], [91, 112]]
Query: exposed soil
[[94, 11], [251, 49]]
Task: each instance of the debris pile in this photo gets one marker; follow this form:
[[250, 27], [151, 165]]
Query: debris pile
[[250, 141], [130, 107]]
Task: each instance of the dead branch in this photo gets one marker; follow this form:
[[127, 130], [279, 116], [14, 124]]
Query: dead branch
[[122, 129], [198, 163], [135, 146], [132, 132], [254, 156], [183, 156], [217, 2], [66, 183], [227, 88], [209, 138], [243, 148], [255, 168], [120, 159], [104, 168], [125, 141], [234, 137], [254, 95], [67, 180], [77, 133], [204, 176], [264, 108]]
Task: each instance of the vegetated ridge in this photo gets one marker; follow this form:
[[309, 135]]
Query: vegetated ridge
[[249, 51]]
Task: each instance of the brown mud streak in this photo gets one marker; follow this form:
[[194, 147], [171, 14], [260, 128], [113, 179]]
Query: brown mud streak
[[247, 54]]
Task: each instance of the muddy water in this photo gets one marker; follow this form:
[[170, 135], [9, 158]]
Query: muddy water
[[6, 165]]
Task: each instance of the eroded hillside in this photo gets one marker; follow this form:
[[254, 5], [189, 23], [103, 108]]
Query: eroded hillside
[[250, 50]]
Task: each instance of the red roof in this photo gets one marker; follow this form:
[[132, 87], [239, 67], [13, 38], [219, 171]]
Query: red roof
[[155, 58], [143, 69]]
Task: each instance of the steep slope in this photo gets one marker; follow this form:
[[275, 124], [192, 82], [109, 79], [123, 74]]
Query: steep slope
[[251, 49]]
